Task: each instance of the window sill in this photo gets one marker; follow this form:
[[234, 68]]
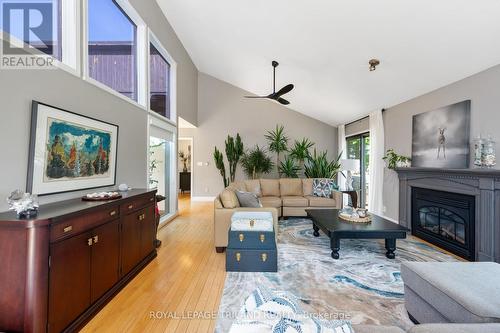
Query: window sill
[[113, 92], [163, 118]]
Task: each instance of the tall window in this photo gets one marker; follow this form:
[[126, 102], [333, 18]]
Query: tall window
[[47, 37], [159, 70], [358, 147], [112, 47]]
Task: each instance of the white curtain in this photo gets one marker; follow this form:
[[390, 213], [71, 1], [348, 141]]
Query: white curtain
[[376, 166], [342, 149]]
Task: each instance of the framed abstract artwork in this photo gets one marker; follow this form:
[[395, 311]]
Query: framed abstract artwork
[[69, 151], [441, 137]]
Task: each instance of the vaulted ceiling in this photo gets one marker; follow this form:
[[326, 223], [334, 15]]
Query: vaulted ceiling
[[323, 47]]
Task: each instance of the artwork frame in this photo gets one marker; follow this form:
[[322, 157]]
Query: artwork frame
[[69, 151], [441, 137]]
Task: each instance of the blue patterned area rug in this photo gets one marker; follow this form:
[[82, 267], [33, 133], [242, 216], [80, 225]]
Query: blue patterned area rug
[[362, 286]]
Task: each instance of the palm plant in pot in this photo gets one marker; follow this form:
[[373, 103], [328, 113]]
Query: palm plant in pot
[[318, 166], [300, 151], [255, 162], [277, 143], [234, 152], [289, 168]]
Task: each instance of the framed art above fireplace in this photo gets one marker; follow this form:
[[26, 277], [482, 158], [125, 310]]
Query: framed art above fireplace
[[69, 151]]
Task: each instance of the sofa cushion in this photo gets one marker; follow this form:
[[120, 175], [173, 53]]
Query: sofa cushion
[[271, 202], [248, 199], [290, 187], [238, 185], [376, 329], [295, 201], [253, 185], [459, 291], [307, 186], [270, 187], [455, 328], [315, 201], [229, 198]]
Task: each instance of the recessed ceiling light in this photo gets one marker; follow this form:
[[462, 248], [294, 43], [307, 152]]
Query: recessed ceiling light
[[373, 64]]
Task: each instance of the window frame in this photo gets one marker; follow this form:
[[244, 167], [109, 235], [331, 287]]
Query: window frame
[[141, 53], [172, 79], [361, 136], [69, 35]]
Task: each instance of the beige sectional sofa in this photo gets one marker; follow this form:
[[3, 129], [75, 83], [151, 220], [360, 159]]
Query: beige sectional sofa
[[283, 197]]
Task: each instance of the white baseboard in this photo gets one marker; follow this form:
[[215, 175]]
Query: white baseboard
[[202, 199]]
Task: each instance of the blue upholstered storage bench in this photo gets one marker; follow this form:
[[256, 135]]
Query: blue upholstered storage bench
[[252, 243]]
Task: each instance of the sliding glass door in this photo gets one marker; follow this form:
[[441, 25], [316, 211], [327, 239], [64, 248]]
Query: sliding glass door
[[358, 148], [162, 167]]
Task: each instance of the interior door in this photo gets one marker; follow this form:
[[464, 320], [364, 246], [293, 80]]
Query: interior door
[[131, 241], [105, 258], [69, 280]]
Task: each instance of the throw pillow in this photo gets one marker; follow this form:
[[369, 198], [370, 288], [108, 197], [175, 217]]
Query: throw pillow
[[248, 199], [322, 188], [229, 199], [278, 303]]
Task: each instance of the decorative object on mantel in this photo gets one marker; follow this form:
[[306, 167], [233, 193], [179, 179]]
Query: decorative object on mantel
[[102, 196], [69, 152], [396, 161], [24, 204], [441, 137], [488, 154], [359, 215]]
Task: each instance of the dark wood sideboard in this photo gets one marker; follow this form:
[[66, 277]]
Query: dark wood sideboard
[[185, 181], [60, 268]]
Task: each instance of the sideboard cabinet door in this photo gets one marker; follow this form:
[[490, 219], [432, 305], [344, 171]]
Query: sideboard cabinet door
[[148, 231], [131, 241], [69, 286], [105, 258]]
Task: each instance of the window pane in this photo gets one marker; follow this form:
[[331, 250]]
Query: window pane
[[159, 83], [112, 47], [45, 14]]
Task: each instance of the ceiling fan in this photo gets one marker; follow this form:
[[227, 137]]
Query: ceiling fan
[[276, 95]]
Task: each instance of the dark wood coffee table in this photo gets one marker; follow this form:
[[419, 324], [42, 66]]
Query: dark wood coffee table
[[335, 228]]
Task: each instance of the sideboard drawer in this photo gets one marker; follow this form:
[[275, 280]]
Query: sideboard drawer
[[75, 225], [137, 203]]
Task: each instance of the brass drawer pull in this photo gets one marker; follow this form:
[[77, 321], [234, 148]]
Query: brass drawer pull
[[96, 239], [89, 242], [262, 238], [151, 199], [264, 257], [141, 217], [112, 213], [238, 256], [130, 206], [242, 237], [68, 229], [252, 222]]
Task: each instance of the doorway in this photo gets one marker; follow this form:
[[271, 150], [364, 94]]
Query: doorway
[[185, 170]]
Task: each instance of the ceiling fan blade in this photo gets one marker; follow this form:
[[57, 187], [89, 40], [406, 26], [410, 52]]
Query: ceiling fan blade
[[285, 90], [283, 101]]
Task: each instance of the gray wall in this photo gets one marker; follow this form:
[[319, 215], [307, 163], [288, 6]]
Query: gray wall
[[482, 89], [222, 110], [59, 88]]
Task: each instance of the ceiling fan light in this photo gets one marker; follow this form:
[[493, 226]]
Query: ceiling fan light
[[373, 64]]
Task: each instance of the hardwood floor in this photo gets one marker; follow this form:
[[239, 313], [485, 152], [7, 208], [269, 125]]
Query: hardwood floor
[[181, 289]]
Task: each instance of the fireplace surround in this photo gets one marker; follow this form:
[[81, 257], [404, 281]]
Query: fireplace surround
[[481, 186]]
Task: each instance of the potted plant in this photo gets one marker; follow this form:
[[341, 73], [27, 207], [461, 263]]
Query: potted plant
[[300, 151], [277, 143], [396, 161], [234, 152], [255, 162], [318, 166], [184, 159], [289, 168]]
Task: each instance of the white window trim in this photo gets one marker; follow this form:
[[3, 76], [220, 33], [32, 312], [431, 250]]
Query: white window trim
[[172, 79], [70, 39], [141, 58]]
